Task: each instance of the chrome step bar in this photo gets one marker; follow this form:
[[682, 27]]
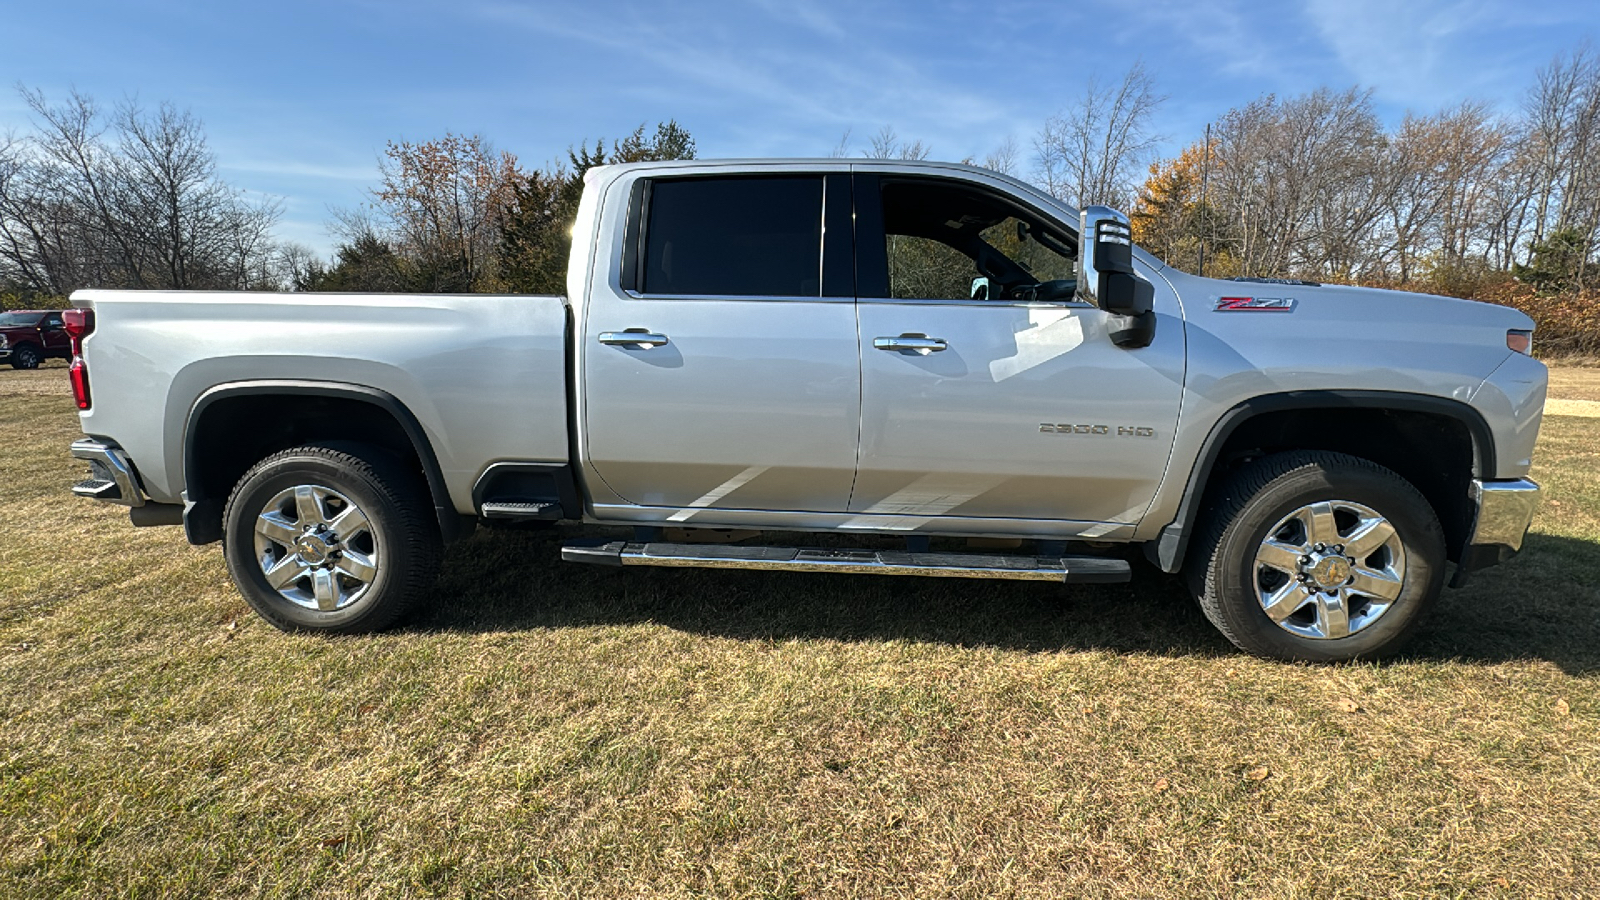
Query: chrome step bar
[[521, 510], [1069, 569]]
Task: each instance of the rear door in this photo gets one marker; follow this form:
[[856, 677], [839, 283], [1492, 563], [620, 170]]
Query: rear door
[[720, 364], [1013, 406]]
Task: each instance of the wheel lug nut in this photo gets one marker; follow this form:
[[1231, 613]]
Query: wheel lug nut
[[1321, 547]]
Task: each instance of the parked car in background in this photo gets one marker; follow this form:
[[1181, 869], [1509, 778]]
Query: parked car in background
[[31, 336]]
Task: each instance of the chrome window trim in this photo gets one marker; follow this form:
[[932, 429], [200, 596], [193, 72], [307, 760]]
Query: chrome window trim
[[724, 298], [1015, 304]]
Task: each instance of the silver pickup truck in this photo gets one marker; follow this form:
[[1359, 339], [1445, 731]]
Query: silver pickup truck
[[903, 356]]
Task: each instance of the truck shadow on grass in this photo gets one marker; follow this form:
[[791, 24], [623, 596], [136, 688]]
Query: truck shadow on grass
[[1543, 605]]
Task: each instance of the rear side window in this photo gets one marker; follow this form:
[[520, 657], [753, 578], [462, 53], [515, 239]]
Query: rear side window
[[751, 237]]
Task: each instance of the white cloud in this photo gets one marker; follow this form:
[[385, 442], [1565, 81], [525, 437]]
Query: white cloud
[[1420, 53]]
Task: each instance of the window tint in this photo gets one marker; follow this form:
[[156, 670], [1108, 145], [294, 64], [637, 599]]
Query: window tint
[[924, 269], [735, 236], [940, 235]]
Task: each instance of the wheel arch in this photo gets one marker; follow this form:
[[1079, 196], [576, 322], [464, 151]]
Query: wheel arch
[[1387, 423], [215, 457]]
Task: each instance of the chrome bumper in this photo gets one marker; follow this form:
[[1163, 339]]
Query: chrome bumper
[[1504, 510], [111, 475]]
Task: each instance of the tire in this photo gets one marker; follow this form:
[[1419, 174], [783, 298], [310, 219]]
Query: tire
[[1284, 598], [25, 357], [305, 561]]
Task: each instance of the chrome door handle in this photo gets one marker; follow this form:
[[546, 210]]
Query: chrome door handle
[[633, 337], [919, 344]]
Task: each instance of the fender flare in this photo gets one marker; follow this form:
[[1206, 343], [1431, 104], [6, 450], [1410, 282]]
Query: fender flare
[[1169, 548], [199, 527]]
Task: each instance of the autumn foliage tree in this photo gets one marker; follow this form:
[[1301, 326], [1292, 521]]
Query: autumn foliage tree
[[1173, 218], [444, 202]]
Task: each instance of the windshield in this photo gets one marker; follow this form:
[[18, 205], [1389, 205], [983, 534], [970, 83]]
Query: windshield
[[24, 319]]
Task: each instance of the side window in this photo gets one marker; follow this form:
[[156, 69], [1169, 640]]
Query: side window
[[753, 237], [52, 321], [948, 241], [923, 269]]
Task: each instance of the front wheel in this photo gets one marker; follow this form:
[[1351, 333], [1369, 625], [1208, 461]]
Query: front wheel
[[331, 540], [1317, 556], [25, 357]]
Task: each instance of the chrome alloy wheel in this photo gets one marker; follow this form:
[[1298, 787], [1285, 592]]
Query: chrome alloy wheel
[[1329, 569], [316, 548]]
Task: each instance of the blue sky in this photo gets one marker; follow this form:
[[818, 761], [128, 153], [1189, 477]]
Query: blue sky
[[298, 98]]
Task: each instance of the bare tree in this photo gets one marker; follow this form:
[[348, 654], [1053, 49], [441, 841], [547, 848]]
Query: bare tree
[[1004, 158], [444, 201], [888, 145], [1303, 183], [126, 200], [1094, 152]]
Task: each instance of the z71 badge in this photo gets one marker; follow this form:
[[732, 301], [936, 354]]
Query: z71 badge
[[1255, 304]]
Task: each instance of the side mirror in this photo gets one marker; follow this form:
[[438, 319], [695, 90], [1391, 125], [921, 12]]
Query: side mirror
[[1106, 277]]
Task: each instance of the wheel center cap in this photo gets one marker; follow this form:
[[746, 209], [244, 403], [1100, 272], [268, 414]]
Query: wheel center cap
[[312, 550], [1331, 572]]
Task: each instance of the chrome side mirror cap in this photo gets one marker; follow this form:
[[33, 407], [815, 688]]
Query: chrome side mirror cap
[[1106, 277]]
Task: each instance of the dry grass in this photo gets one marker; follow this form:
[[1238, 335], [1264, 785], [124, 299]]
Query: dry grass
[[565, 730], [1575, 383]]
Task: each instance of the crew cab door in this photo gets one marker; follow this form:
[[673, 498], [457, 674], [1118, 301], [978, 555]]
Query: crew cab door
[[53, 332], [1010, 406], [720, 366]]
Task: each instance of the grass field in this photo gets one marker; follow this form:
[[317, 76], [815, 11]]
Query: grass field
[[568, 730]]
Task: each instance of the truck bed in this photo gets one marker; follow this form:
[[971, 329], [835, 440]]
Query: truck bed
[[484, 375]]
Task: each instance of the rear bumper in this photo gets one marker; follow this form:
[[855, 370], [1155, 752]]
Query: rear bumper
[[1503, 512], [111, 477]]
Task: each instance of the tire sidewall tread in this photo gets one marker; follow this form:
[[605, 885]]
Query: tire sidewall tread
[[395, 503], [1257, 496]]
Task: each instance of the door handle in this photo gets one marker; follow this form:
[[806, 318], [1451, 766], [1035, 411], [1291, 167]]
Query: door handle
[[919, 344], [633, 337]]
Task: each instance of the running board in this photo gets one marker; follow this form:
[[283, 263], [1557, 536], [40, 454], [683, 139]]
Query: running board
[[1069, 569], [520, 510]]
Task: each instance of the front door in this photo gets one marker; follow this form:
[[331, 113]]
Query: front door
[[720, 363], [1015, 405], [54, 335]]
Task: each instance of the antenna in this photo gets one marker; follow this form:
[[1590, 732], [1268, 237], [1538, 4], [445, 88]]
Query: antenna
[[1205, 220]]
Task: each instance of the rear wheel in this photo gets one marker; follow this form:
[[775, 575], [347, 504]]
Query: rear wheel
[[25, 357], [1317, 556], [331, 539]]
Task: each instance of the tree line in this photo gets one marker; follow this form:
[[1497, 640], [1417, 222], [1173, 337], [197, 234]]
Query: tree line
[[1316, 187], [1463, 200], [124, 198]]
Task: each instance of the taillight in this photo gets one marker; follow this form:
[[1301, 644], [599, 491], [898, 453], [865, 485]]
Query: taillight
[[79, 324], [79, 373], [1519, 341]]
